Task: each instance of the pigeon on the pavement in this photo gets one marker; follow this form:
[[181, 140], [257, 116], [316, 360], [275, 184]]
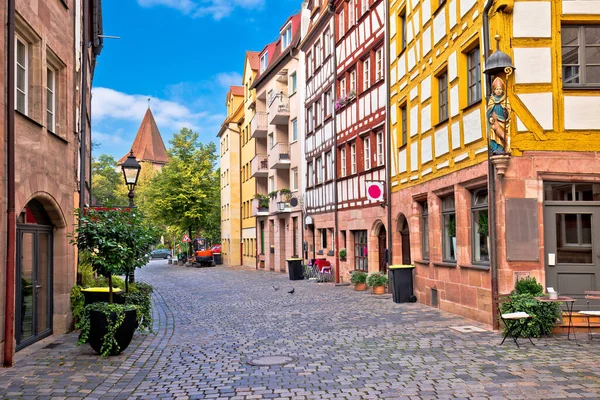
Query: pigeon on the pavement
[[292, 291]]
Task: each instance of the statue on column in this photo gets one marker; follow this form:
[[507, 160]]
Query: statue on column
[[498, 117]]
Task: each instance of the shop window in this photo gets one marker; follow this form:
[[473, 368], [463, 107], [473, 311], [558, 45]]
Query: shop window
[[361, 261], [479, 227], [449, 229]]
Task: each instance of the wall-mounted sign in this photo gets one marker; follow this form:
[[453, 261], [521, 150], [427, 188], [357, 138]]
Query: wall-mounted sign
[[375, 190]]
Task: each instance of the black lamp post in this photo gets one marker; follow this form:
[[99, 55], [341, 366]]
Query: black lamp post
[[131, 171]]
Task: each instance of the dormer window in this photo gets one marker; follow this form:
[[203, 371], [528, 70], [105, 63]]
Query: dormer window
[[264, 61], [286, 37]]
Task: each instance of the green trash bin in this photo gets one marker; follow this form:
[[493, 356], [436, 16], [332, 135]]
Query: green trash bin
[[295, 269], [402, 283]]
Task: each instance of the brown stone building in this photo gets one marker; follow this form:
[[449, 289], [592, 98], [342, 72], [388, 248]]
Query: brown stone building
[[43, 108]]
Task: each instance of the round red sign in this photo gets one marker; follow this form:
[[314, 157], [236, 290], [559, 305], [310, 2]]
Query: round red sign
[[375, 191]]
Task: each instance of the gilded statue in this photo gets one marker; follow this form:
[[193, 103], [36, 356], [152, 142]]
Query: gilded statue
[[498, 116]]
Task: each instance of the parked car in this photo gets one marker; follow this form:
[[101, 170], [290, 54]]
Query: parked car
[[216, 248], [161, 253]]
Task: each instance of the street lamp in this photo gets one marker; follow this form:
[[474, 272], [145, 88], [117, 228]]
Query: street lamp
[[131, 171]]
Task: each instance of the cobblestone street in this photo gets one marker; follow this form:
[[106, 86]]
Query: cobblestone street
[[209, 323]]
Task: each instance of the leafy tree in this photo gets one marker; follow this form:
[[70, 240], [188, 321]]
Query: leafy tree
[[144, 181], [106, 181], [185, 194]]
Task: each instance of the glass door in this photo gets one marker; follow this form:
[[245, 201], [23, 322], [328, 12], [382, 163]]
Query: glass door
[[34, 284]]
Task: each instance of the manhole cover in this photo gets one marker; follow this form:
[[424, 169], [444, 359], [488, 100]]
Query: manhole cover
[[467, 329], [271, 360]]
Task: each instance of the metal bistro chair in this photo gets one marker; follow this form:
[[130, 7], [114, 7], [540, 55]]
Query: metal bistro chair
[[512, 321], [591, 295]]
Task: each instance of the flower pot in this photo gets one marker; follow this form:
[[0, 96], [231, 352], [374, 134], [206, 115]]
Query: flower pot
[[99, 328], [378, 289], [359, 287], [100, 294]]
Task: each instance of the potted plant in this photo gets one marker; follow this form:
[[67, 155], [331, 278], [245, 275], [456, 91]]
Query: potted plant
[[378, 281], [263, 201], [285, 194], [117, 242], [359, 279], [273, 194], [342, 253]]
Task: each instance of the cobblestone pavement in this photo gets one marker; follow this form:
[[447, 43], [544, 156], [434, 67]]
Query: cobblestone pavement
[[345, 345]]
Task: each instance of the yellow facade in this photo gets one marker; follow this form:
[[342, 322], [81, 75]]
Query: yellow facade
[[229, 137], [248, 183], [437, 41]]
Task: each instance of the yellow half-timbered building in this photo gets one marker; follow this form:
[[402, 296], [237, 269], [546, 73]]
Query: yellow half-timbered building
[[540, 117]]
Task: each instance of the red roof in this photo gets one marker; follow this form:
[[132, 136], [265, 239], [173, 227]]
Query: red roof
[[237, 90], [148, 144], [253, 57]]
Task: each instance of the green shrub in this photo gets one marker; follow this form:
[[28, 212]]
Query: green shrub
[[358, 277], [543, 315], [102, 281], [377, 279], [77, 305]]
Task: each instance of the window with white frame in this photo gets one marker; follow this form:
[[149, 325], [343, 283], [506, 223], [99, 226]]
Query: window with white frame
[[353, 158], [327, 42], [351, 14], [379, 63], [367, 152], [293, 83], [327, 103], [309, 64], [318, 112], [474, 76], [341, 23], [310, 119], [271, 184], [264, 61], [380, 158], [353, 81], [286, 37], [294, 178], [365, 6], [329, 164], [343, 87], [294, 129], [21, 75], [366, 73], [318, 53], [343, 161], [310, 178], [320, 175], [271, 141], [442, 96], [50, 99], [580, 55]]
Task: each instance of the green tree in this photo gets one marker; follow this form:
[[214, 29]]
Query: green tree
[[186, 193], [106, 181]]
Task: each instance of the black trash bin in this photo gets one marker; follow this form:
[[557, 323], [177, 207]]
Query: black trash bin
[[218, 257], [295, 269], [402, 283]]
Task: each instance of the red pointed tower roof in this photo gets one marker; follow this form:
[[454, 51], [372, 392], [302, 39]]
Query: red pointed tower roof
[[148, 144]]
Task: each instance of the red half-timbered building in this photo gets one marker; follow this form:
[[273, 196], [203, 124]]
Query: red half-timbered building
[[360, 104]]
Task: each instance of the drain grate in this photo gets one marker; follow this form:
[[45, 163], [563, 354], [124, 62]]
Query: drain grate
[[267, 361], [467, 329], [52, 345]]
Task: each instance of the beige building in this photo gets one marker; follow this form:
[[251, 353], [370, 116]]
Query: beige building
[[279, 142], [229, 151], [45, 103]]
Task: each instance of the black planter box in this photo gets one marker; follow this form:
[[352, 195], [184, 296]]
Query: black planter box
[[99, 297], [99, 328]]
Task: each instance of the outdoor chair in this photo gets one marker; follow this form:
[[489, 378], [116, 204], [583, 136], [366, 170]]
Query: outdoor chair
[[512, 321], [589, 314]]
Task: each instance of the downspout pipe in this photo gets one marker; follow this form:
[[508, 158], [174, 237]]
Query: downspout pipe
[[388, 155], [331, 10], [9, 311], [491, 176], [84, 120]]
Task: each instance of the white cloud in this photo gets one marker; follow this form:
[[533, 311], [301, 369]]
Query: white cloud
[[111, 104], [227, 79], [106, 138], [218, 9]]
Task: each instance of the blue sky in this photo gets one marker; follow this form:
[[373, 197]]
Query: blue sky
[[184, 55]]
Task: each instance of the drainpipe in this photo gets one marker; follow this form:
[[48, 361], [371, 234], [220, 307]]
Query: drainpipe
[[331, 10], [9, 311], [388, 155], [83, 119], [491, 177]]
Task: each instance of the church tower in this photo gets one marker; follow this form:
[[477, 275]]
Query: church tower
[[148, 144]]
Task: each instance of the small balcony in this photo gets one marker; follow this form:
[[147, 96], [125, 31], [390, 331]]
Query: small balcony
[[278, 205], [279, 109], [279, 156], [260, 166], [259, 211], [258, 126]]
